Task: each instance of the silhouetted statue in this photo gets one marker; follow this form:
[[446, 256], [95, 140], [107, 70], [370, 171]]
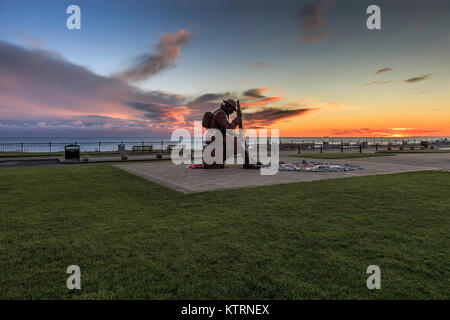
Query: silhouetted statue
[[219, 120]]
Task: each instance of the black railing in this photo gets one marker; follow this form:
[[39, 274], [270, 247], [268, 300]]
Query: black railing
[[100, 147], [145, 146]]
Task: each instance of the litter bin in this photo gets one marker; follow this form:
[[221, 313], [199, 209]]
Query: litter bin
[[72, 152], [121, 149], [424, 144]]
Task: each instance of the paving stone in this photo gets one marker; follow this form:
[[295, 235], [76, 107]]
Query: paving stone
[[233, 176]]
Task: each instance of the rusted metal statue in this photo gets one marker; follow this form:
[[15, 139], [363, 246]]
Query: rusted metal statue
[[219, 120]]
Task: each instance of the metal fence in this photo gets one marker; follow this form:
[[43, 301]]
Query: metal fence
[[54, 148], [376, 144], [91, 147]]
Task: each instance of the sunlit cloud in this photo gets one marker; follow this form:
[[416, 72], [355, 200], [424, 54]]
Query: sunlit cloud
[[256, 93], [387, 133], [401, 129], [377, 82], [334, 105], [255, 98], [261, 102]]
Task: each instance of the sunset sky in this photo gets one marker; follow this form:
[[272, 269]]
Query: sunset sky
[[145, 68]]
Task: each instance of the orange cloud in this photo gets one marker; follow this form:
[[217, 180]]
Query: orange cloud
[[257, 93], [337, 106], [260, 102], [388, 132]]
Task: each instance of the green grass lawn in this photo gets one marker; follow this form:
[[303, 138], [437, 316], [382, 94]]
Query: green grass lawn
[[29, 154], [415, 151], [341, 155], [136, 239]]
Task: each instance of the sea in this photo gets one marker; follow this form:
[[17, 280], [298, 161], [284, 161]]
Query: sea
[[55, 144]]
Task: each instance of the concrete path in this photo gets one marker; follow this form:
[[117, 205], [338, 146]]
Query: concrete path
[[197, 180], [29, 163], [9, 163], [114, 158]]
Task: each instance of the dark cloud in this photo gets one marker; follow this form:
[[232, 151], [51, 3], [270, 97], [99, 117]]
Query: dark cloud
[[207, 98], [417, 79], [79, 126], [44, 74], [268, 116], [383, 70], [312, 23], [255, 98], [206, 102], [147, 107], [151, 111], [50, 86], [254, 93], [164, 116], [167, 51], [87, 121]]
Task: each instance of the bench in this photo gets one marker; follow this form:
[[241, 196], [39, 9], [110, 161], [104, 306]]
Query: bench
[[170, 147], [141, 148]]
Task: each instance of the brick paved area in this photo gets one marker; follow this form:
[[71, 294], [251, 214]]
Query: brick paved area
[[197, 180]]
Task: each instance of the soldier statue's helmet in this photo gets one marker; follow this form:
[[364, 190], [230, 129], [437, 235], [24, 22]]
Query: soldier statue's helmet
[[231, 103]]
